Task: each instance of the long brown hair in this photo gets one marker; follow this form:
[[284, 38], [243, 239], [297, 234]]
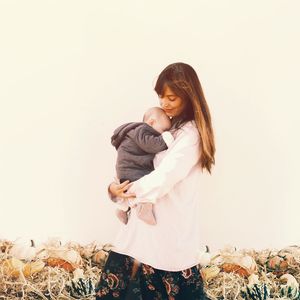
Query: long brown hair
[[182, 79]]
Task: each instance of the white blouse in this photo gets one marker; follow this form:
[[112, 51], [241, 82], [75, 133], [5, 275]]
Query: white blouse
[[174, 187]]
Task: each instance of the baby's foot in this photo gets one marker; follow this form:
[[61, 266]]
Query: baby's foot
[[145, 213], [122, 216]]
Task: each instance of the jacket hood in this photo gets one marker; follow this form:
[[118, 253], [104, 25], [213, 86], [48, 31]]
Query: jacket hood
[[120, 133]]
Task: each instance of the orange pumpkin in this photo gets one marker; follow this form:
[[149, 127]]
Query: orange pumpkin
[[228, 268], [277, 264], [242, 265], [61, 263]]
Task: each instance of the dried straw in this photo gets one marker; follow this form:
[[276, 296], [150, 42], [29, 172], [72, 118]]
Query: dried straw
[[51, 282]]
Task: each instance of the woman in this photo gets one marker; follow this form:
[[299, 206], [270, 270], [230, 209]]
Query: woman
[[164, 256]]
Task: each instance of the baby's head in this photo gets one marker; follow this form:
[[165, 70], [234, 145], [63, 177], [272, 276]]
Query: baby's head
[[157, 118]]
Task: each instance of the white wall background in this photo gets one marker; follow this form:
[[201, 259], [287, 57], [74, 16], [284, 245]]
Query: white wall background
[[71, 71]]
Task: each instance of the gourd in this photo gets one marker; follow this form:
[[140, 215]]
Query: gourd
[[255, 290], [67, 259], [277, 264], [244, 265], [107, 247], [80, 287], [100, 257], [13, 267], [204, 257], [291, 288], [23, 250], [88, 251], [33, 267], [209, 272]]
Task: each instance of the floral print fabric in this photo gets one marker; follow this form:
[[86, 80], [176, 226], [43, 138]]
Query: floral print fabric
[[149, 283]]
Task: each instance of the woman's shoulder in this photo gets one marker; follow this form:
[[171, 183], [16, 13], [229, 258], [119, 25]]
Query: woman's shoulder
[[190, 125], [190, 128]]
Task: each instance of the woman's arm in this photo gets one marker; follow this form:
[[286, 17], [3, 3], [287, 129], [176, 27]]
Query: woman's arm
[[117, 191], [174, 167]]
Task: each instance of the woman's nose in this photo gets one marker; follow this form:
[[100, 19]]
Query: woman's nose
[[164, 104]]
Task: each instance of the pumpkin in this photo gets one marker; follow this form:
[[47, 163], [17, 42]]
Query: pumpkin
[[33, 267], [242, 265], [12, 267], [23, 250], [255, 290], [88, 251], [61, 263], [107, 247], [79, 286], [53, 242], [277, 264], [209, 272], [100, 257], [204, 257], [67, 259], [291, 288]]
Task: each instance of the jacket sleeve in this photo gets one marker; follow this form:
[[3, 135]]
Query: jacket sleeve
[[147, 141], [174, 167]]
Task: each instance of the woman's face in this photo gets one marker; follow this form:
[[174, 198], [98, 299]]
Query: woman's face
[[171, 103]]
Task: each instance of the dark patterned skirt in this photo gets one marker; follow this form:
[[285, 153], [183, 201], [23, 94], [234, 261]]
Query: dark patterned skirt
[[149, 283]]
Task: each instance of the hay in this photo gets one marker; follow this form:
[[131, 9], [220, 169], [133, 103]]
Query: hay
[[54, 282], [51, 282]]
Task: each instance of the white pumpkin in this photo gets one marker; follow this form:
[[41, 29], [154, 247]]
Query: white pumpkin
[[204, 257], [23, 250], [107, 247]]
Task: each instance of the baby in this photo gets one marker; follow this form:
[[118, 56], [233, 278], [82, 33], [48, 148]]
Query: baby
[[137, 143]]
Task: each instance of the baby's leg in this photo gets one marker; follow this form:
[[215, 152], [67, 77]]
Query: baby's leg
[[145, 213], [123, 215], [123, 211]]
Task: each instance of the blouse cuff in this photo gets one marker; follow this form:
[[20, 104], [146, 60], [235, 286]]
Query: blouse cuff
[[167, 137], [110, 195]]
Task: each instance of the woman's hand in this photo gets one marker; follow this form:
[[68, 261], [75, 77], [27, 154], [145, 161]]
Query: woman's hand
[[119, 190]]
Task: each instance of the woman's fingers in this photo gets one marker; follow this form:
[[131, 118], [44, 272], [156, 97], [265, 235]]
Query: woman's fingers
[[120, 190], [127, 186], [129, 195], [123, 184]]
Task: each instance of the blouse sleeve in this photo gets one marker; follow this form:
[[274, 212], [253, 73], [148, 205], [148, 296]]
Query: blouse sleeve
[[174, 167], [110, 195]]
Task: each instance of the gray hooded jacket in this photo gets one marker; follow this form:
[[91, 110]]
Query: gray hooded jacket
[[136, 143]]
